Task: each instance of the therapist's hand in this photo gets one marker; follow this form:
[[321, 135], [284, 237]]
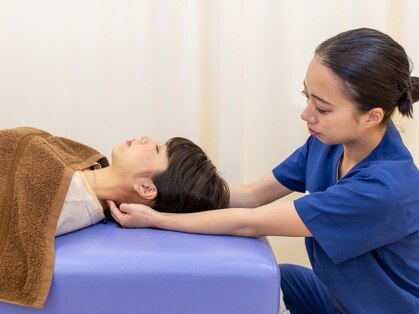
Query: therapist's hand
[[132, 215]]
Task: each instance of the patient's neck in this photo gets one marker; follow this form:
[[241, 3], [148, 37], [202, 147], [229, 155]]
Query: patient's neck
[[108, 186]]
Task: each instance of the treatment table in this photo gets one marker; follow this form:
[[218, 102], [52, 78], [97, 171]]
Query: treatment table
[[109, 270]]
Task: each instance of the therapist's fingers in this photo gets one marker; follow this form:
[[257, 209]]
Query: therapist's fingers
[[115, 212], [111, 204], [130, 215], [136, 215]]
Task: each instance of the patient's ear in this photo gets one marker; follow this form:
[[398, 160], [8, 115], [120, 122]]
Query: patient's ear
[[146, 190]]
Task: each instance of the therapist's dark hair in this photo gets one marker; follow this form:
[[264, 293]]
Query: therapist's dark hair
[[191, 182], [374, 69]]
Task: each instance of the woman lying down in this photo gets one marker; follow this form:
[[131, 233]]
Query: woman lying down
[[52, 185], [174, 177]]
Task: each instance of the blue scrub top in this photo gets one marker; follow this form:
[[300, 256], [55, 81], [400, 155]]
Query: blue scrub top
[[365, 226]]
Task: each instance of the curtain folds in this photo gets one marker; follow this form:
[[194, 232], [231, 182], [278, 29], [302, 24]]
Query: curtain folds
[[227, 74]]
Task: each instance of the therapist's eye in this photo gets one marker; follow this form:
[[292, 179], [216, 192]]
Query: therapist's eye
[[321, 111]]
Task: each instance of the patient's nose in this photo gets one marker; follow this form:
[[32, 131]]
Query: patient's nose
[[147, 139]]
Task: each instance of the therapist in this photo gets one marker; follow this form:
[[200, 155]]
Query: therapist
[[360, 211]]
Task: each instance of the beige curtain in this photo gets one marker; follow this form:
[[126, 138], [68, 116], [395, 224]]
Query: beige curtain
[[225, 73]]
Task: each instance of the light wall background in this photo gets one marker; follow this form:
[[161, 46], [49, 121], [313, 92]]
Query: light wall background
[[225, 73]]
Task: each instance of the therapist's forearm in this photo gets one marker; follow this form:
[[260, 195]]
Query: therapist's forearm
[[231, 221], [261, 192], [277, 219]]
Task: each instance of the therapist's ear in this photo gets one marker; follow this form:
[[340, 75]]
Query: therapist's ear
[[374, 117], [146, 191]]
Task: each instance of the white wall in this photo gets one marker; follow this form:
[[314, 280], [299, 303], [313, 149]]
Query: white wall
[[225, 73]]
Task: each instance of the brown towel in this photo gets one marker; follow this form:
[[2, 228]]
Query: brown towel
[[35, 172]]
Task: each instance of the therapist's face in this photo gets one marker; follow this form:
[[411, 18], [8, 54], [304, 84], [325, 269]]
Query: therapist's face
[[330, 115]]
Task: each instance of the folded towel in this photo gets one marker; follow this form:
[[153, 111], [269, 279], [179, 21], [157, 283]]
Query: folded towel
[[35, 172]]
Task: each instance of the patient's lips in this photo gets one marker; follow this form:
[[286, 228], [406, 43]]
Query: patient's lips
[[129, 142]]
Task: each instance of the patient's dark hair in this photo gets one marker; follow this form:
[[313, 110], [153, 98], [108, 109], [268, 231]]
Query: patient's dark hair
[[191, 182]]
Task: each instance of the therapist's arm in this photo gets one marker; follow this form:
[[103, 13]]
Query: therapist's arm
[[261, 192], [278, 218]]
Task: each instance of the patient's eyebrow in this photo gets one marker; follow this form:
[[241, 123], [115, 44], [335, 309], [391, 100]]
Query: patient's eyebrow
[[317, 97]]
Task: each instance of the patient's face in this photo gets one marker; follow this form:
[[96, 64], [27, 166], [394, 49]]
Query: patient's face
[[143, 156]]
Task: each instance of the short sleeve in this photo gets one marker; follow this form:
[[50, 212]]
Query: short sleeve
[[358, 215], [292, 171]]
